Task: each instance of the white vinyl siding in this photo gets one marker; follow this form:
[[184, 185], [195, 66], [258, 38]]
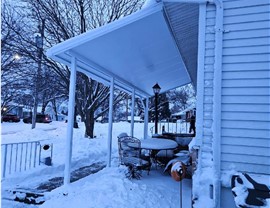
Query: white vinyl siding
[[245, 109]]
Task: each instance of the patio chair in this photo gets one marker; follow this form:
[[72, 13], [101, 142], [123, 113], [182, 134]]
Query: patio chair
[[123, 134], [130, 155]]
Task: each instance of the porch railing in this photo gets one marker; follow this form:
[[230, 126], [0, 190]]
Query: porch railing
[[18, 157], [180, 126]]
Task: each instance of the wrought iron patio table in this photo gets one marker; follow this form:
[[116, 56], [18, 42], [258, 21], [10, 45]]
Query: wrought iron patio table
[[156, 145]]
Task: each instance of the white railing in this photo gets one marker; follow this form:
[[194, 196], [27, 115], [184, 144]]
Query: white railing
[[18, 157], [178, 127]]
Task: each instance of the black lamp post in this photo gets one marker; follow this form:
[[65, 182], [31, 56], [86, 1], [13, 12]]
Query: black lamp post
[[156, 89]]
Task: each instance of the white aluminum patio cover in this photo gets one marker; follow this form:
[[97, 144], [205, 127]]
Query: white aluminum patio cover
[[138, 51]]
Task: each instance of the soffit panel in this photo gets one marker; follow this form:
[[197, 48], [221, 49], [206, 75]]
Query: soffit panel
[[138, 53]]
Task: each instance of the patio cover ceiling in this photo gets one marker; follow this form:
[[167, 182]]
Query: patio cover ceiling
[[138, 51]]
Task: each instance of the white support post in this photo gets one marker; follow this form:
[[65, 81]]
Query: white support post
[[110, 122], [132, 112], [146, 106], [71, 104]]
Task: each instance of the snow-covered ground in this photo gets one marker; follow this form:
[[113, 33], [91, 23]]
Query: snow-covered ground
[[107, 188]]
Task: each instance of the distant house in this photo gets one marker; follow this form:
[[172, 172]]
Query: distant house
[[222, 48]]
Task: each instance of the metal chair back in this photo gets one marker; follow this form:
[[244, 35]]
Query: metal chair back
[[129, 147]]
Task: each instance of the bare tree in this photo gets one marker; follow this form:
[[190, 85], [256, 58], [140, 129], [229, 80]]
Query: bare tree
[[13, 79], [181, 98], [66, 19], [18, 38]]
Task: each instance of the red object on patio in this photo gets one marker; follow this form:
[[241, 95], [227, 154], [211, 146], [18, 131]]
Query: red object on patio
[[178, 171]]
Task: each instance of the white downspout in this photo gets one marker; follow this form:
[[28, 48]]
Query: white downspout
[[110, 122], [71, 104], [132, 113]]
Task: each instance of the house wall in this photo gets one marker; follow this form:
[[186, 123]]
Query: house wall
[[245, 86], [245, 97], [245, 90]]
